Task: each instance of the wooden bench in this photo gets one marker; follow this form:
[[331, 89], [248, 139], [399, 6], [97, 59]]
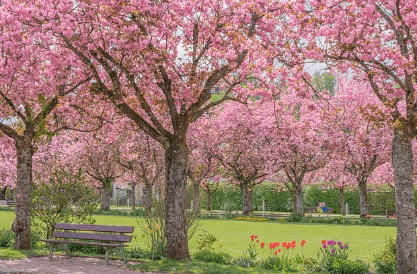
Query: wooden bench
[[311, 210], [109, 237]]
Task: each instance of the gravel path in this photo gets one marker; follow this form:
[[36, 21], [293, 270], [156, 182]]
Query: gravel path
[[61, 265]]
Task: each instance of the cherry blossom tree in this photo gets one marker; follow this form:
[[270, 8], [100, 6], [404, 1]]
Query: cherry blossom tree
[[376, 40], [300, 143], [238, 146], [143, 159], [33, 85], [158, 63], [100, 157], [363, 136]]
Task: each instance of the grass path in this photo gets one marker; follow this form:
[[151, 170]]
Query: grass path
[[234, 236]]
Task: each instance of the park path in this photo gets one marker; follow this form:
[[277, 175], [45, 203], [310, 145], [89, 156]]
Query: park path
[[62, 265]]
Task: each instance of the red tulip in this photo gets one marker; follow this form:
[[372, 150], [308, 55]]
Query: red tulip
[[262, 245]]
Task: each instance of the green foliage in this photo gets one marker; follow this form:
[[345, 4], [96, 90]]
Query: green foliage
[[208, 256], [342, 266], [283, 263], [139, 253], [66, 198], [243, 262], [385, 261], [229, 198], [295, 218], [344, 221], [153, 229], [6, 238], [205, 241], [324, 81], [8, 194], [6, 208], [119, 212], [86, 249]]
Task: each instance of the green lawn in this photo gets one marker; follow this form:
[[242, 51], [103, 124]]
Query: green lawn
[[234, 236]]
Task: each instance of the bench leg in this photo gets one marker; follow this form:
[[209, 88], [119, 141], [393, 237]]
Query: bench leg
[[106, 258], [67, 250], [51, 251], [122, 254]]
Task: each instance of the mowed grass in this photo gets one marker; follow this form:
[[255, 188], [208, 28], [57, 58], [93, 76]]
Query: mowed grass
[[234, 236]]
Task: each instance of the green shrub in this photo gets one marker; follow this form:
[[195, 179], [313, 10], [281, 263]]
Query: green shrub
[[312, 265], [295, 218], [6, 238], [207, 256], [86, 249], [342, 266], [66, 198], [385, 261], [205, 241], [243, 262], [272, 263], [135, 252], [6, 208]]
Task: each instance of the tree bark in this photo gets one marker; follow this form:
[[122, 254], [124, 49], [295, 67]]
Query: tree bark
[[176, 232], [196, 195], [209, 200], [21, 225], [247, 199], [342, 201], [106, 195], [148, 198], [298, 201], [133, 196], [363, 198], [402, 162]]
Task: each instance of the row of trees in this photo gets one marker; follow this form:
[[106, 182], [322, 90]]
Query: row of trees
[[80, 65]]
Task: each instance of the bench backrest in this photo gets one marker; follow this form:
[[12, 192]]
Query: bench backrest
[[97, 232]]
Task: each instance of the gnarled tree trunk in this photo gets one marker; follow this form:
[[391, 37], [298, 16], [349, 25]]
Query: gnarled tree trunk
[[402, 161], [21, 225], [176, 160], [363, 198]]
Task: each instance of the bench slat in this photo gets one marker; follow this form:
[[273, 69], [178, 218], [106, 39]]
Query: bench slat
[[94, 237], [100, 228], [81, 243]]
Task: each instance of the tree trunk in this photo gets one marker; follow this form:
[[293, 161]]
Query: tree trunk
[[209, 200], [21, 225], [176, 160], [196, 196], [247, 199], [298, 201], [363, 198], [148, 198], [402, 162], [133, 196], [342, 201], [105, 195]]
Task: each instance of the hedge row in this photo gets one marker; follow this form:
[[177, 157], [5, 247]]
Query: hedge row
[[228, 198]]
